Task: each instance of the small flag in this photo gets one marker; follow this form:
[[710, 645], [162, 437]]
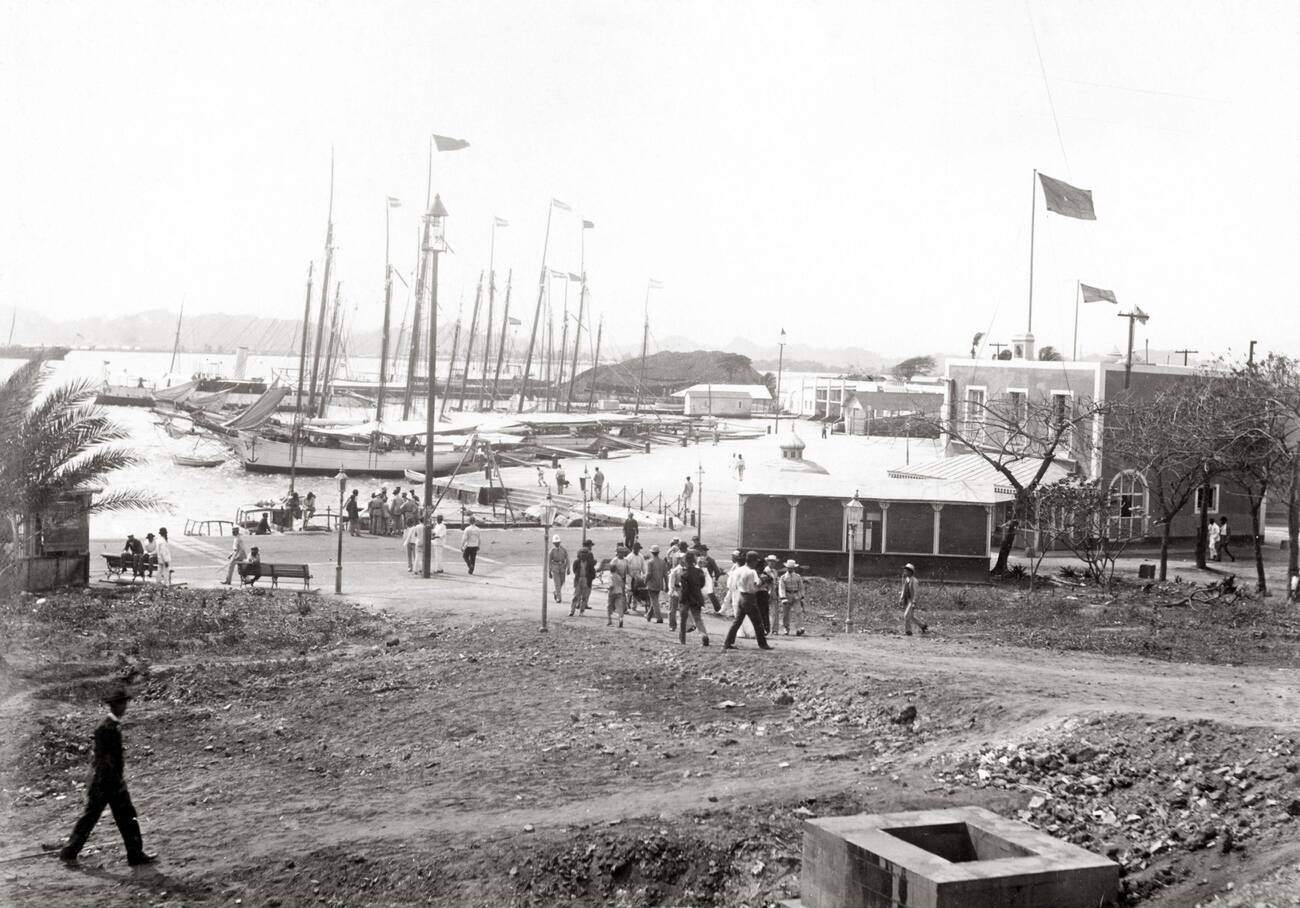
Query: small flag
[[446, 143], [501, 222], [656, 284], [575, 277], [588, 225], [394, 202], [1066, 199], [560, 205], [561, 275], [1140, 315], [783, 332], [513, 321], [1097, 295]]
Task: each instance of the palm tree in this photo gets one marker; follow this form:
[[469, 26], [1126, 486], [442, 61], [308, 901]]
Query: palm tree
[[55, 444], [1050, 354]]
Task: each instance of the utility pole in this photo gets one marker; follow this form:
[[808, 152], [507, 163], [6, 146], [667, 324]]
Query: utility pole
[[1185, 354], [780, 360], [1137, 315], [997, 349]]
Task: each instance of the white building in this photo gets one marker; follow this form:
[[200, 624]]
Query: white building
[[725, 400]]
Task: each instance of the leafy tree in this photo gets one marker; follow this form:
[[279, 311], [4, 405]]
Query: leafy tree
[[1074, 514], [912, 366], [1004, 354], [975, 343], [54, 444], [769, 381], [1050, 354], [733, 364]]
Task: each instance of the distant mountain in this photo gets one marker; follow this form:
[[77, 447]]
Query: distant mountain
[[797, 357]]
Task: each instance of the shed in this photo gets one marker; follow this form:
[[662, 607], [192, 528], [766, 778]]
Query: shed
[[725, 400]]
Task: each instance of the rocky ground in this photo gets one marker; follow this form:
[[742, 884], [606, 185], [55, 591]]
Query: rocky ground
[[287, 750]]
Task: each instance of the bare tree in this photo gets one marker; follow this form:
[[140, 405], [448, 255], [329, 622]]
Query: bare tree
[[1174, 440], [1021, 436], [1074, 514]]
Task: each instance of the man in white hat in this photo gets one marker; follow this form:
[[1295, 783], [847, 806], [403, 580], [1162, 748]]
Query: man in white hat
[[557, 564], [790, 590], [907, 598]]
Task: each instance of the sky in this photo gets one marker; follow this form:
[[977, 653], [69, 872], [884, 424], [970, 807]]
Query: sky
[[852, 172]]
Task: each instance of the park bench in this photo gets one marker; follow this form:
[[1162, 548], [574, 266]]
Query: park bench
[[249, 574], [140, 566]]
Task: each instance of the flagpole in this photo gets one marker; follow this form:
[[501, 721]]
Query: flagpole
[[1078, 291], [1033, 211]]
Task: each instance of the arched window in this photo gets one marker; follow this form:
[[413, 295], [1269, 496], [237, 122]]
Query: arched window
[[1128, 498]]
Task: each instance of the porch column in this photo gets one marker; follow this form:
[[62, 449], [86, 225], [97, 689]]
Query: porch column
[[938, 508], [794, 518], [884, 527], [988, 532]]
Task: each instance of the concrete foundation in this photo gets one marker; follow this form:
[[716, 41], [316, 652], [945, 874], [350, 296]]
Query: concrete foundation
[[963, 857]]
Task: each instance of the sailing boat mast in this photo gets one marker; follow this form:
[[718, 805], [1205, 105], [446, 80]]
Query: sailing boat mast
[[469, 343], [421, 280], [302, 376], [595, 366], [389, 204], [331, 350], [176, 343], [582, 299], [324, 292], [645, 349], [451, 365], [14, 321], [491, 298], [505, 326], [537, 312], [564, 345]]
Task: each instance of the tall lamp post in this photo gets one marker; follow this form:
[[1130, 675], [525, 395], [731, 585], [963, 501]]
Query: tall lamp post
[[547, 517], [436, 231], [582, 482], [853, 511], [338, 558]]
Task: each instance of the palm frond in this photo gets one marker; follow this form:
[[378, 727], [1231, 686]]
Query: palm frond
[[129, 500]]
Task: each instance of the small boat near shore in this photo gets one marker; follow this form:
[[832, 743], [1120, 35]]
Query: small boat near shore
[[192, 460]]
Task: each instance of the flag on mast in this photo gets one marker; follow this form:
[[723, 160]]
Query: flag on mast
[[560, 205], [394, 202], [656, 284], [447, 143], [588, 225], [1097, 295], [1066, 199], [501, 222]]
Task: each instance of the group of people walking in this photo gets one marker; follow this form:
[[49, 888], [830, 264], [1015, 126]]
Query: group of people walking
[[684, 581]]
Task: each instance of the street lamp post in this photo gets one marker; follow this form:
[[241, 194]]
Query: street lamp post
[[854, 511], [338, 558], [547, 517], [582, 482], [436, 231]]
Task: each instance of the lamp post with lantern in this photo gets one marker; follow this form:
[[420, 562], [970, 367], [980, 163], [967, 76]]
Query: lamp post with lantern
[[582, 482], [547, 517], [436, 231], [853, 511], [342, 479]]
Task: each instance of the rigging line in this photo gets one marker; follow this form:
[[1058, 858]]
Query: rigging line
[[1047, 87]]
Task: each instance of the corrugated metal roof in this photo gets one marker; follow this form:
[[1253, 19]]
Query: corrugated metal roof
[[880, 488], [757, 392], [975, 469]]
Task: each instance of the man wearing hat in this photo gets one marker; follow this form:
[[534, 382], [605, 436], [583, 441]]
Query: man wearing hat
[[557, 565], [790, 589], [769, 604], [746, 579], [238, 554], [619, 575], [907, 599], [108, 787], [584, 575], [656, 581]]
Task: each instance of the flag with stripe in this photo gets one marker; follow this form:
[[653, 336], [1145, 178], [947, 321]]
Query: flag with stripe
[[1066, 199], [560, 205], [588, 225], [447, 143], [394, 202], [1097, 295], [513, 321], [501, 222]]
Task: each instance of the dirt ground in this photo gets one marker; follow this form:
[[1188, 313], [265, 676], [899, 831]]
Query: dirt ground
[[287, 750]]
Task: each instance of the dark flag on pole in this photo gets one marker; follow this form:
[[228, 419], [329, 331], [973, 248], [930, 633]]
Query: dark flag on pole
[[446, 143], [1097, 295], [1066, 199]]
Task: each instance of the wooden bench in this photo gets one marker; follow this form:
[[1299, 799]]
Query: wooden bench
[[140, 566], [249, 574]]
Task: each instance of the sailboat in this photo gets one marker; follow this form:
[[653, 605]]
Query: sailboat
[[10, 350]]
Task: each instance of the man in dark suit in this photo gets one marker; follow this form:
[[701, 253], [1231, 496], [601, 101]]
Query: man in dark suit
[[108, 787]]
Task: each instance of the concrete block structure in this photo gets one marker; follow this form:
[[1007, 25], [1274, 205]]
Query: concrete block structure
[[963, 857]]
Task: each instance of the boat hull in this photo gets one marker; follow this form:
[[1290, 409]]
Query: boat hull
[[263, 455], [125, 396]]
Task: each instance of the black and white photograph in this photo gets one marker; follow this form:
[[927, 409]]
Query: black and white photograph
[[912, 386]]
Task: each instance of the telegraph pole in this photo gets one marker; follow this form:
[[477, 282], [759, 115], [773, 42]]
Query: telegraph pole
[[1185, 354]]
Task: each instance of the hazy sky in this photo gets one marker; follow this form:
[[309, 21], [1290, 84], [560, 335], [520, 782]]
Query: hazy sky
[[858, 172]]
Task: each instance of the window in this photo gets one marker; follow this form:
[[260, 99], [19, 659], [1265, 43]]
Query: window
[[1212, 506], [1128, 496], [1062, 413], [973, 419], [1017, 416]]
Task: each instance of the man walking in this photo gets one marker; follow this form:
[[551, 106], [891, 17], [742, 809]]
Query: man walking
[[656, 579], [907, 598], [745, 578], [630, 528], [692, 580], [412, 541], [1214, 541], [470, 540], [108, 788], [768, 600], [1225, 537], [688, 494], [557, 565], [438, 537], [238, 555], [597, 484], [584, 575], [619, 574]]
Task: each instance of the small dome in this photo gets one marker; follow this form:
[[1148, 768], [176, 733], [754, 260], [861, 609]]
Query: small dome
[[792, 446], [792, 461]]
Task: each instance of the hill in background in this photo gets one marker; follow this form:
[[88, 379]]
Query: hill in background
[[669, 371]]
